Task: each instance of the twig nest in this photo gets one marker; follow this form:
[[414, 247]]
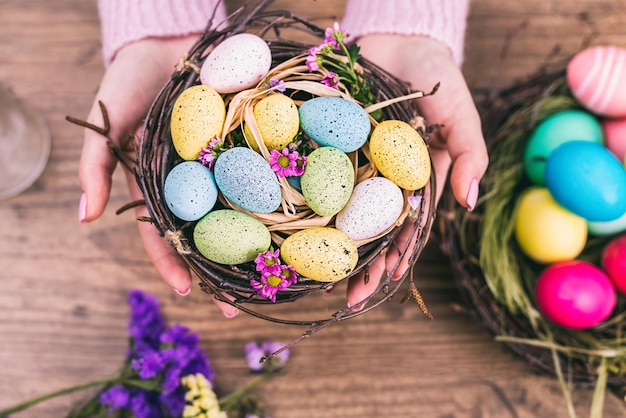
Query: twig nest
[[302, 158]]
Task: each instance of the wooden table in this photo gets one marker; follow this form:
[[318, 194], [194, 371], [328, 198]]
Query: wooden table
[[63, 310]]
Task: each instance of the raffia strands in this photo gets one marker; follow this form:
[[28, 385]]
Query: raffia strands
[[495, 276], [155, 157]]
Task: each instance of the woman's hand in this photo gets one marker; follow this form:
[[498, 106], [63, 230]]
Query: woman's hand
[[457, 148], [130, 84]]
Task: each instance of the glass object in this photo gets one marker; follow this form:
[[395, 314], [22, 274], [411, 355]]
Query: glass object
[[24, 145]]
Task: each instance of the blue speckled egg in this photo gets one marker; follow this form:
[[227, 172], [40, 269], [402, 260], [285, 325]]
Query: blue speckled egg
[[246, 179], [328, 180], [586, 179], [228, 236], [190, 190], [335, 122], [375, 205]]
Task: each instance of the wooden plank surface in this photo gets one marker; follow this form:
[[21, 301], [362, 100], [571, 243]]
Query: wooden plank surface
[[63, 309]]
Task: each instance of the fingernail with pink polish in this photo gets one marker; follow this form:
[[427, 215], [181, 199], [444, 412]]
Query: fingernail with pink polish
[[184, 293], [231, 313], [82, 208], [472, 195]]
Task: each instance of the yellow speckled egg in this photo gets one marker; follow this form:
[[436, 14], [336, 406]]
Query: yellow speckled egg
[[323, 254], [400, 154], [278, 121], [545, 231], [197, 116]]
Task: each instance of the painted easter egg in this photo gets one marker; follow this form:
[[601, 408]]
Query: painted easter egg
[[561, 127], [544, 230], [276, 116], [615, 137], [228, 236], [328, 180], [614, 262], [237, 63], [597, 78], [375, 205], [335, 122], [198, 116], [602, 229], [190, 191], [400, 154], [246, 179], [575, 294], [321, 253], [585, 178]]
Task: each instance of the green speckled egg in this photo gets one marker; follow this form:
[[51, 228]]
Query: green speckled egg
[[400, 154], [322, 254], [228, 236], [328, 180], [197, 117], [278, 121]]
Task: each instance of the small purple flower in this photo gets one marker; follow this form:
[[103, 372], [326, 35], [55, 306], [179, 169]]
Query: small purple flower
[[209, 154], [256, 352], [149, 365], [145, 404], [414, 201], [267, 261], [335, 35], [116, 397], [146, 323], [283, 163], [276, 84], [331, 80]]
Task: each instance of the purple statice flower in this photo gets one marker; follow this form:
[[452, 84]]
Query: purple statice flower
[[209, 154], [414, 201], [149, 365], [278, 85], [146, 323], [267, 261], [255, 354], [116, 397], [145, 404], [330, 79], [283, 163]]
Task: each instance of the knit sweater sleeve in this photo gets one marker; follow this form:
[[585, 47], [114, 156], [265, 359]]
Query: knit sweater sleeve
[[442, 20], [126, 21]]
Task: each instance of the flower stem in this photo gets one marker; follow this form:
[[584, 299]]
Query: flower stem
[[226, 401], [68, 390]]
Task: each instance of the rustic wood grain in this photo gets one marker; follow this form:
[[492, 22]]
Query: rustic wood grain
[[63, 309]]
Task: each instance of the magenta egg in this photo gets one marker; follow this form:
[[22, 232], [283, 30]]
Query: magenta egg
[[597, 78], [615, 136], [614, 261], [575, 294]]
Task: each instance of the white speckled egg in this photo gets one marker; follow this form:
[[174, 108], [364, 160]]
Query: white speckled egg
[[277, 118], [190, 190], [322, 254], [335, 122], [400, 154], [228, 236], [237, 63], [247, 180], [327, 181], [375, 205], [197, 117]]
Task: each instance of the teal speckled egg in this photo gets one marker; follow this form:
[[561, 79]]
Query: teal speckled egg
[[228, 236], [335, 122], [328, 180], [247, 180]]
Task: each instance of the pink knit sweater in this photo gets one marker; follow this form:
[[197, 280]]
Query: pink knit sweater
[[126, 21]]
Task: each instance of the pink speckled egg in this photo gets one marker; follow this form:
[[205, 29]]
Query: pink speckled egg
[[575, 294], [615, 136], [597, 78], [614, 261]]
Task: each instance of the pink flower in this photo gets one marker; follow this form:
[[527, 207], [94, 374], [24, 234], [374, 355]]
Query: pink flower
[[298, 170], [209, 154], [268, 261], [270, 284], [276, 84], [335, 35], [331, 80], [284, 163]]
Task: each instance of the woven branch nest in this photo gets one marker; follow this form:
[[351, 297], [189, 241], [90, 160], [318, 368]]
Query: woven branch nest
[[156, 157], [495, 277]]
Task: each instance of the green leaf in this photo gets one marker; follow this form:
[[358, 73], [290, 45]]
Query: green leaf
[[354, 52]]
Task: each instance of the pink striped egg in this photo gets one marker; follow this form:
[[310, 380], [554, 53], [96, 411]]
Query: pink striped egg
[[597, 78], [615, 137]]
